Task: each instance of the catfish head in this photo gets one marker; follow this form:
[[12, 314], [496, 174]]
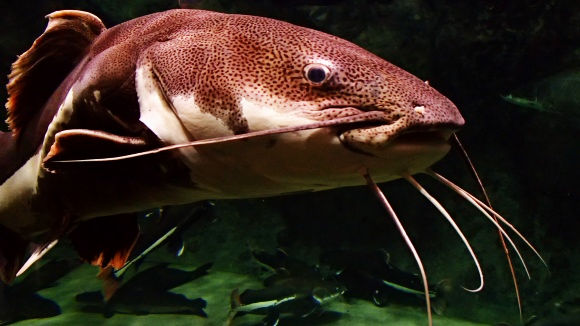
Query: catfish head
[[217, 75]]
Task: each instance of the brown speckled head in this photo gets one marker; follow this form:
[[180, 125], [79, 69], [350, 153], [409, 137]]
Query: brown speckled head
[[244, 70], [208, 74]]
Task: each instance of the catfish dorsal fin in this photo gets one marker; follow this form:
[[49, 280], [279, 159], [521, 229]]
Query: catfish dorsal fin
[[39, 71]]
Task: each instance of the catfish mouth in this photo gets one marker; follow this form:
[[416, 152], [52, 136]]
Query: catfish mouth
[[390, 130], [411, 136], [436, 136]]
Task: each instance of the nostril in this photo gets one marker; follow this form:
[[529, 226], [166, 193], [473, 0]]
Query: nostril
[[419, 109]]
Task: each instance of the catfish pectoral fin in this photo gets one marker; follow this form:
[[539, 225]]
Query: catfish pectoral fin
[[13, 251], [106, 241], [85, 143]]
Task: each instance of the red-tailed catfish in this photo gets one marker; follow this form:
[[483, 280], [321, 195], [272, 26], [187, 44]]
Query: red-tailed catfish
[[267, 108]]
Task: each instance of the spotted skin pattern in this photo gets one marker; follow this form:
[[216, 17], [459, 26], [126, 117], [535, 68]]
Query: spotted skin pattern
[[220, 59]]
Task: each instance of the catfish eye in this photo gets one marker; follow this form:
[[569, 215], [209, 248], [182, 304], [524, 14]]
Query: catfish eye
[[317, 73]]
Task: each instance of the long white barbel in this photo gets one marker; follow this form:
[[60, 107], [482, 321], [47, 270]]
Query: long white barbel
[[448, 217], [483, 207], [367, 117], [378, 192]]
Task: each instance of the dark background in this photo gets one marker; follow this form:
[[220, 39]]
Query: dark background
[[473, 52]]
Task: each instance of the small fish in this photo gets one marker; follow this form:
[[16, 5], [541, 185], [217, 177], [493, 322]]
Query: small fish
[[136, 303], [556, 94], [164, 226], [371, 276], [525, 102], [147, 292], [375, 263], [283, 265], [281, 303], [21, 301], [296, 290]]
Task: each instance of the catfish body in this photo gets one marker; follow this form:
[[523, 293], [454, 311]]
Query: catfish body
[[83, 91]]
